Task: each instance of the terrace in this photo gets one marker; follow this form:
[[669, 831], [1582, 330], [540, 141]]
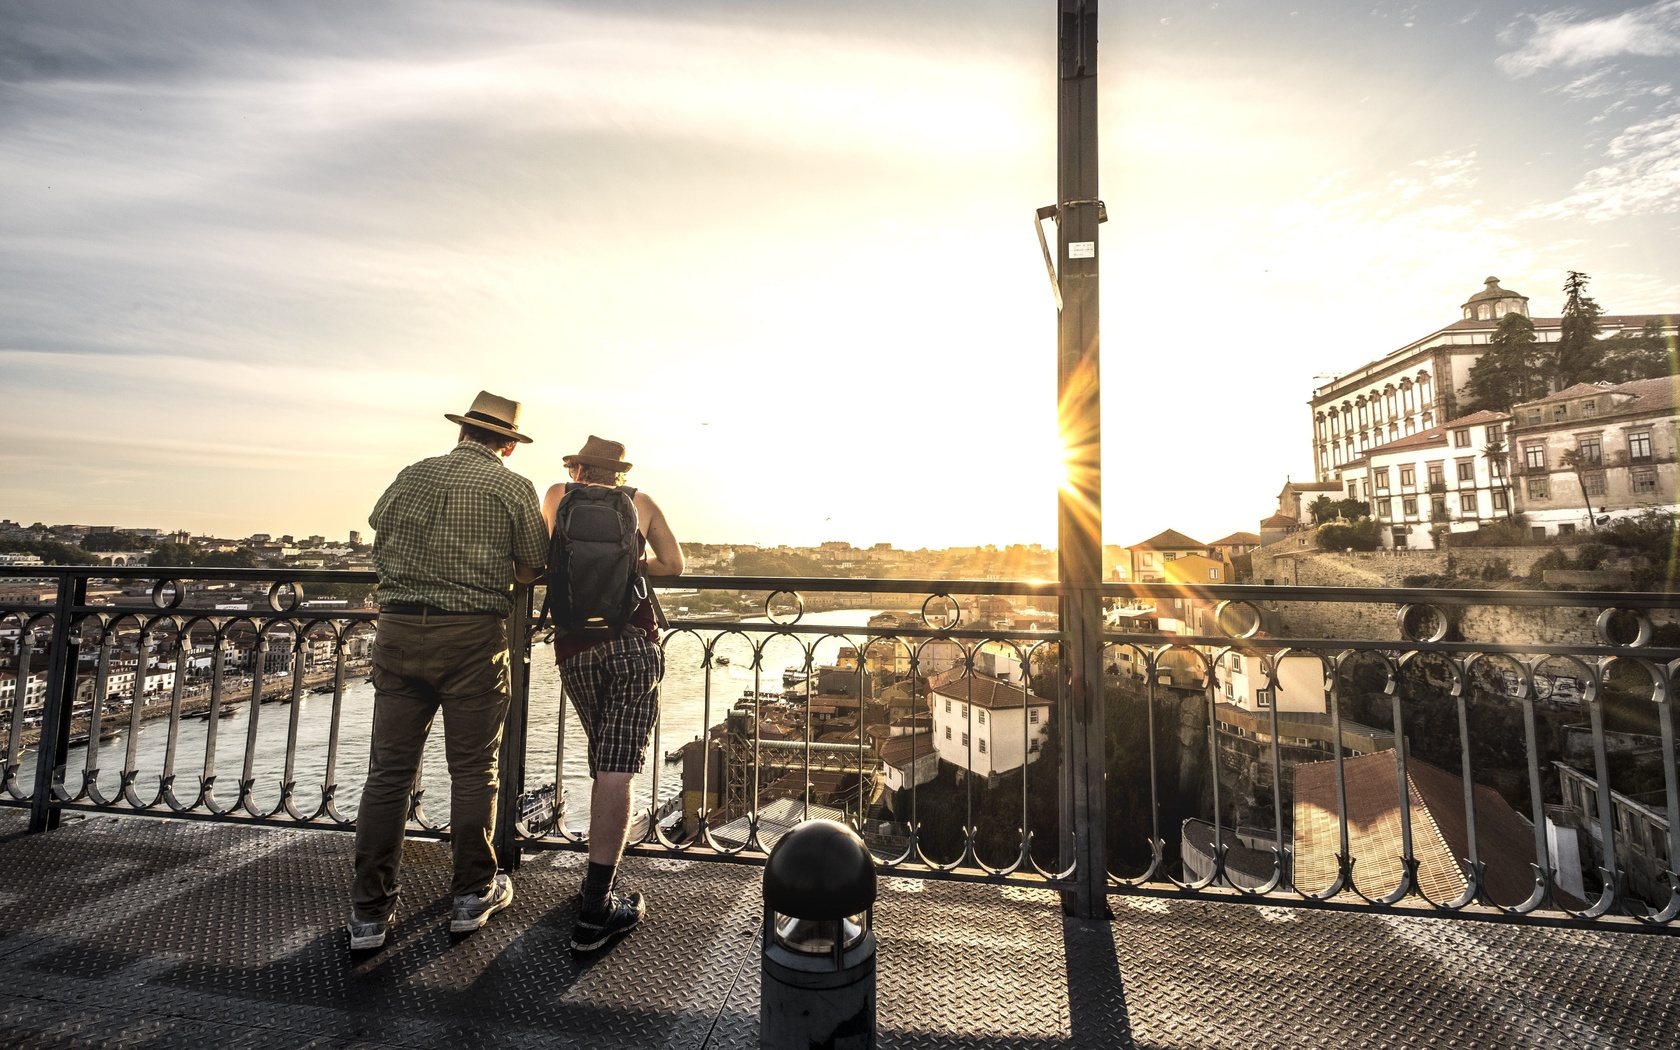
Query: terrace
[[157, 893]]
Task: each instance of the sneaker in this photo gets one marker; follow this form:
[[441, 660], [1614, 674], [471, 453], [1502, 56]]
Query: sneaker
[[623, 914], [368, 933], [473, 910]]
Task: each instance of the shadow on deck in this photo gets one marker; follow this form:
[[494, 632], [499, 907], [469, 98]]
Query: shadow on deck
[[154, 933]]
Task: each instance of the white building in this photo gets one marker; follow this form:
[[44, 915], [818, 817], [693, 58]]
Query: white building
[[1421, 384], [34, 693], [987, 726], [1451, 477]]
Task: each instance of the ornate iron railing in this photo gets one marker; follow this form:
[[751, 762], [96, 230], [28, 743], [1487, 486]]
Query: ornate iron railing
[[1457, 752]]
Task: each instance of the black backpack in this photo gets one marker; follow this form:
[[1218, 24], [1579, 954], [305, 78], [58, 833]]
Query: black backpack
[[594, 575]]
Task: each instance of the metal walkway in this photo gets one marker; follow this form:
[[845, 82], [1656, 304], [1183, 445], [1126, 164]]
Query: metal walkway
[[168, 934]]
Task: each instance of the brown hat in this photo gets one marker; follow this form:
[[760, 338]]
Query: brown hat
[[599, 452], [495, 414]]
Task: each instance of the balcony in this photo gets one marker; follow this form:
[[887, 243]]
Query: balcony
[[1291, 847]]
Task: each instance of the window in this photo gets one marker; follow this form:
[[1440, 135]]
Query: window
[[1435, 475], [1353, 490], [1385, 508], [1381, 475], [965, 740], [1539, 488], [1639, 446], [1560, 411], [982, 716], [947, 707], [1437, 508], [1364, 417], [1335, 424], [1408, 477], [1499, 502], [1493, 436], [1388, 395], [1376, 407], [1393, 431], [1149, 559], [1534, 457], [1589, 409], [1590, 451], [1263, 698], [1032, 748], [1593, 483], [982, 743], [1566, 529], [1539, 532], [1213, 575], [1400, 533], [1169, 556], [947, 732], [1467, 503], [1032, 716], [1408, 506], [965, 710], [1407, 398], [1644, 481], [1461, 438], [1466, 470]]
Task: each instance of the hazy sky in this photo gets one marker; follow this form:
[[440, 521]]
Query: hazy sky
[[250, 253]]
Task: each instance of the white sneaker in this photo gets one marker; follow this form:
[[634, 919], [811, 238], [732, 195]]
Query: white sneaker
[[474, 910]]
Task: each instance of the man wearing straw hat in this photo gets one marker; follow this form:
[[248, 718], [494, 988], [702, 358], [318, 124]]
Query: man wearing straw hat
[[614, 687], [452, 534]]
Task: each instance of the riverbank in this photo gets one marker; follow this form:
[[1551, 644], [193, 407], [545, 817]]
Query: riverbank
[[195, 702]]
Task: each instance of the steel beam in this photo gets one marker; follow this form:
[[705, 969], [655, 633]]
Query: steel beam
[[1079, 405]]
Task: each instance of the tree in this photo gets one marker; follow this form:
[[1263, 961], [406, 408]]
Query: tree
[[1579, 357], [1513, 369], [1645, 354], [1579, 464], [1499, 459], [112, 541], [174, 554]]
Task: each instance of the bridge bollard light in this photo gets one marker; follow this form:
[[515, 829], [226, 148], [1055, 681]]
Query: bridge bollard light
[[818, 962]]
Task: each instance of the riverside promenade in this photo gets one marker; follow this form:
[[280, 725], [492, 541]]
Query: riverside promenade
[[143, 932]]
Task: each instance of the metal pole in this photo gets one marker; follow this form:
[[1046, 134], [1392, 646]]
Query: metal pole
[[1079, 517], [54, 742], [511, 763]]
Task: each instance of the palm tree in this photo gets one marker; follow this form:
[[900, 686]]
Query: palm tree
[[1499, 459], [1579, 464]]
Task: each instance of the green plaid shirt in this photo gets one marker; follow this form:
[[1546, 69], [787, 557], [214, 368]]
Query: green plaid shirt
[[449, 529]]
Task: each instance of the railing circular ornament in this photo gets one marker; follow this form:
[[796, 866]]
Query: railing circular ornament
[[949, 612], [1223, 607], [168, 594], [780, 617], [1607, 621], [278, 593], [1409, 617]]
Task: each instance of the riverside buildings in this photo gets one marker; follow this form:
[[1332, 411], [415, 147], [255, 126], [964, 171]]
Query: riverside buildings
[[1421, 384]]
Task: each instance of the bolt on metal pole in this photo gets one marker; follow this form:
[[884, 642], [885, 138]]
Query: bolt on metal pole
[[1079, 403]]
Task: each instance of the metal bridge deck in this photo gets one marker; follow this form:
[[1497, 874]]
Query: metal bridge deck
[[153, 933]]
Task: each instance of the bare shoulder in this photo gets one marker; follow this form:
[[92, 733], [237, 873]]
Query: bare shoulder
[[647, 509]]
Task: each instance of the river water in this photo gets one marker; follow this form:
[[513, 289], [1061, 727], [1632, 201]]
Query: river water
[[684, 712]]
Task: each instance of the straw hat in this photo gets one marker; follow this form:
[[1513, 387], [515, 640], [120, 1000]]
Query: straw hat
[[599, 452], [495, 414]]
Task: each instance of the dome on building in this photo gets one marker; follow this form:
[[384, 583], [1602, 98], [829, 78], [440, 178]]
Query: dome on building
[[1494, 302]]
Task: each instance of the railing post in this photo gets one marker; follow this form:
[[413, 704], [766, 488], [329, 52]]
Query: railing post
[[512, 760], [1079, 418], [54, 742]]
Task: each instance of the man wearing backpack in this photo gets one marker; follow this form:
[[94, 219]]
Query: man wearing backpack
[[452, 533], [607, 645]]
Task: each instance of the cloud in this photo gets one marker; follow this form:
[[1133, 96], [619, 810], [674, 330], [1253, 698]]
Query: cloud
[[1642, 176], [1566, 38]]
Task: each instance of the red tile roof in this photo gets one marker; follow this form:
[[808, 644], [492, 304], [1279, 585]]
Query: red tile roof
[[1170, 540], [988, 692], [1439, 837], [1649, 395]]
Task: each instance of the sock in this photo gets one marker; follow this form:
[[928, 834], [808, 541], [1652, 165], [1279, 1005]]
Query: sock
[[597, 884]]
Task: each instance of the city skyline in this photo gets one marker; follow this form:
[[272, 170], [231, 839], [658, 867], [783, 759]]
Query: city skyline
[[779, 251]]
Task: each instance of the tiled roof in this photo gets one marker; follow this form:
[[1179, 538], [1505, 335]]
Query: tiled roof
[[1649, 395], [1436, 801], [901, 750], [988, 692], [1281, 519], [1170, 540], [1236, 539]]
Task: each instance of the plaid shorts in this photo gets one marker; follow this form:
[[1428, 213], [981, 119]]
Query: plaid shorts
[[614, 688]]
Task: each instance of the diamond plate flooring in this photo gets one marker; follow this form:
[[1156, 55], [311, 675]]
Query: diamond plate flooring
[[137, 932]]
